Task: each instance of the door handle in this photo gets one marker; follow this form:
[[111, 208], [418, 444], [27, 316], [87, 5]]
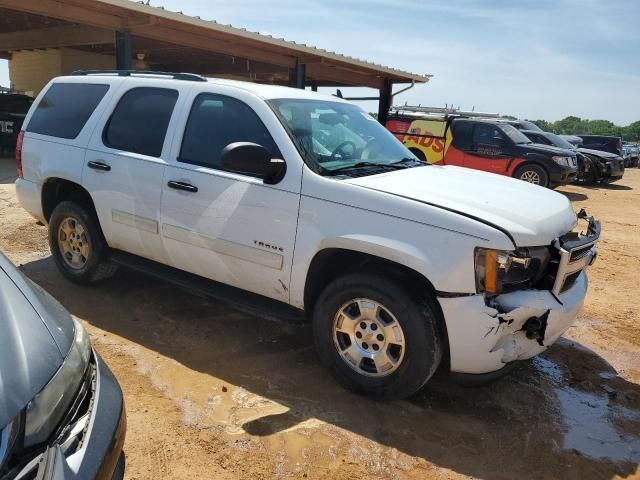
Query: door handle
[[182, 186], [99, 166]]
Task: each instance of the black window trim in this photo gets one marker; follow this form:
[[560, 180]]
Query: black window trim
[[181, 159], [108, 122]]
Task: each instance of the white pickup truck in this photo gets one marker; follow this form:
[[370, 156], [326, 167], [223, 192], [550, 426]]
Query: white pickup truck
[[307, 200]]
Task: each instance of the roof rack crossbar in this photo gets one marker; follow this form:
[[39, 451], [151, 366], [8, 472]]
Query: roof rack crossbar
[[443, 111], [192, 77]]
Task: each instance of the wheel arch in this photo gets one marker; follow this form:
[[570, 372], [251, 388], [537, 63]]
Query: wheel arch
[[531, 161], [419, 153], [333, 262], [56, 190]]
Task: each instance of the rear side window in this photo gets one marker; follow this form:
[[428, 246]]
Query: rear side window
[[140, 120], [216, 121], [65, 108]]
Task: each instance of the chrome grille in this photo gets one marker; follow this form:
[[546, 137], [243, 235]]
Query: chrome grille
[[572, 263]]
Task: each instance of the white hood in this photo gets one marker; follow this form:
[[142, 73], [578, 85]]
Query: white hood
[[532, 215]]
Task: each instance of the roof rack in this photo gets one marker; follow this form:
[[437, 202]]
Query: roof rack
[[445, 111], [191, 77]]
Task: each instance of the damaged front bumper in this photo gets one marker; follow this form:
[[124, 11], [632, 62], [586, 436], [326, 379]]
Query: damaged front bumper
[[516, 326]]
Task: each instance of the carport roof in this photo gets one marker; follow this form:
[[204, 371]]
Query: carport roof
[[155, 24]]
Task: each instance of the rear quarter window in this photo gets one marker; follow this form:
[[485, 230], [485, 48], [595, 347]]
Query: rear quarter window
[[65, 108]]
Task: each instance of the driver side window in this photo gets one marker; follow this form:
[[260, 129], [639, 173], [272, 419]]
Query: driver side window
[[487, 140], [216, 121]]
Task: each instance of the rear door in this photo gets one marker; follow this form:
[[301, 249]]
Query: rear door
[[125, 161], [230, 227], [490, 150]]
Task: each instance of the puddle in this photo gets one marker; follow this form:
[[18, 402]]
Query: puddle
[[590, 429], [588, 419]]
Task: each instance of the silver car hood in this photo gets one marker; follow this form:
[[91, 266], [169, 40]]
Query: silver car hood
[[30, 353]]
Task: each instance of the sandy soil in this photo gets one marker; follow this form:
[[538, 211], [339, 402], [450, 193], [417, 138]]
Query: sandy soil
[[212, 392]]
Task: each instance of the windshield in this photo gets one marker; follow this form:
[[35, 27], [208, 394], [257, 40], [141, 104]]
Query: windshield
[[514, 134], [530, 126], [336, 136], [559, 141]]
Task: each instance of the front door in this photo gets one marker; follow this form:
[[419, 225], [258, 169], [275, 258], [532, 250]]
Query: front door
[[222, 225], [489, 149]]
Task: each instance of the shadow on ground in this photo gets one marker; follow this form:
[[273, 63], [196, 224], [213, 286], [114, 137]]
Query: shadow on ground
[[565, 415], [574, 196], [609, 186]]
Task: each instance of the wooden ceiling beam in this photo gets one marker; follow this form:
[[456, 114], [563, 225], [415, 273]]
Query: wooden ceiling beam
[[55, 37], [201, 42], [65, 11], [346, 77]]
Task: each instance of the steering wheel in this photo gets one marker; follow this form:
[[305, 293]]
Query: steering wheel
[[339, 149]]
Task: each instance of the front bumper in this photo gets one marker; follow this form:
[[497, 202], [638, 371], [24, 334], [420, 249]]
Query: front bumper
[[90, 453], [484, 339], [615, 169], [563, 175]]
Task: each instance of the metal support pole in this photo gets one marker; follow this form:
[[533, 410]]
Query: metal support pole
[[124, 50], [297, 76], [384, 104]]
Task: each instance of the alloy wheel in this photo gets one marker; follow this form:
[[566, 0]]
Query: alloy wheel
[[74, 244], [531, 177], [368, 337]]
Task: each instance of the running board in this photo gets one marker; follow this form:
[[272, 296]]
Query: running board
[[242, 300]]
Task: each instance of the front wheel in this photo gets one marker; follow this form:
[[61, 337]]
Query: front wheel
[[533, 174], [375, 337]]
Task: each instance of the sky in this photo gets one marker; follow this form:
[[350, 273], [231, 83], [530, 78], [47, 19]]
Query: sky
[[535, 59]]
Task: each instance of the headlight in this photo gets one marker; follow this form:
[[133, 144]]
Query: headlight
[[500, 271], [8, 437], [48, 407], [563, 161]]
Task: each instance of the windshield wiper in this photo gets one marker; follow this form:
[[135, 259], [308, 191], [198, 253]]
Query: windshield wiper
[[399, 165], [363, 165], [407, 160]]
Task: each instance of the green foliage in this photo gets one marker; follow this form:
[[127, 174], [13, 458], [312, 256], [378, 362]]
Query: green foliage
[[575, 126]]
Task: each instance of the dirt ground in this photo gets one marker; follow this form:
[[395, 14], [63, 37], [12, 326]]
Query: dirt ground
[[212, 392]]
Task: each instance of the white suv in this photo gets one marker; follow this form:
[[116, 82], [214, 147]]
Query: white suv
[[307, 200]]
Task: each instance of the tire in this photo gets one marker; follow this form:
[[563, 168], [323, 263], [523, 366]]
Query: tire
[[77, 244], [419, 154], [420, 334], [533, 172]]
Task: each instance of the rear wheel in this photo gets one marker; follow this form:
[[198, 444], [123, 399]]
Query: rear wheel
[[375, 337], [533, 174], [77, 244]]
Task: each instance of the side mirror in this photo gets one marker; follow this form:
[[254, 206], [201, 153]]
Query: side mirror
[[253, 159]]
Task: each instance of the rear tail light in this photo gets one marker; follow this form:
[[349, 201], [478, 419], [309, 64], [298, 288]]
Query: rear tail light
[[19, 153]]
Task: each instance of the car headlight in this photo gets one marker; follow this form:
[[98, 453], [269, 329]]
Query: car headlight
[[500, 271], [8, 437], [563, 161], [48, 407]]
